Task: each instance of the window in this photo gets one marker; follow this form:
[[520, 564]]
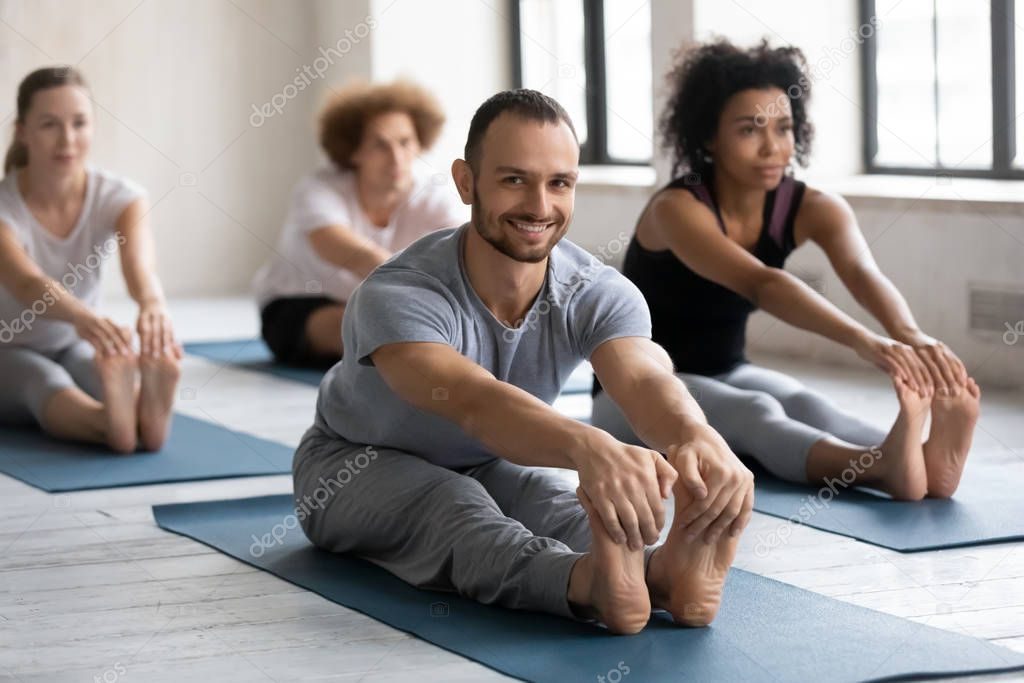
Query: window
[[594, 57], [940, 79]]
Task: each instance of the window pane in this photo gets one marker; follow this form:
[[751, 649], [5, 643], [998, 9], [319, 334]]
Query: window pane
[[964, 58], [551, 40], [906, 83], [1018, 40], [627, 36]]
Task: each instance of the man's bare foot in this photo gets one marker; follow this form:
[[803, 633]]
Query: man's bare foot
[[156, 398], [945, 452], [685, 577], [607, 583], [899, 470], [118, 377]]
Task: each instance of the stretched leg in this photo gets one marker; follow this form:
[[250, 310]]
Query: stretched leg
[[80, 413], [804, 404], [432, 527], [949, 441], [38, 388], [896, 467], [323, 331], [119, 382]]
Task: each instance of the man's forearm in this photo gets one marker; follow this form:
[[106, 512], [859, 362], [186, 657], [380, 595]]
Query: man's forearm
[[521, 428], [662, 411]]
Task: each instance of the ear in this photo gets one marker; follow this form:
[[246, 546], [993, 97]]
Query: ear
[[462, 174]]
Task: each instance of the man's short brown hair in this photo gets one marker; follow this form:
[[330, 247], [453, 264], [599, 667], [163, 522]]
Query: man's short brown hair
[[345, 115]]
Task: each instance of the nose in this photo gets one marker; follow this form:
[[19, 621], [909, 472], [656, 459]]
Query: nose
[[538, 202], [769, 145]]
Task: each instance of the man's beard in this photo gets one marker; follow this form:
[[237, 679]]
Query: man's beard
[[496, 236]]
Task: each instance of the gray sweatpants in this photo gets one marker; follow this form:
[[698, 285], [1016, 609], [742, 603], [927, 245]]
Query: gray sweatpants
[[761, 413], [28, 378], [498, 533]]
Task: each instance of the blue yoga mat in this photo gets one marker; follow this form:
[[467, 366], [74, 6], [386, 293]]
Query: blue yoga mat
[[196, 449], [765, 630], [253, 354], [987, 508]]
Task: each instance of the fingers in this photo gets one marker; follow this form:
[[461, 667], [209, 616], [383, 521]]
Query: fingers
[[688, 469], [168, 337], [609, 517], [931, 362], [145, 334], [630, 523], [920, 379], [699, 524], [733, 509], [666, 474], [746, 512]]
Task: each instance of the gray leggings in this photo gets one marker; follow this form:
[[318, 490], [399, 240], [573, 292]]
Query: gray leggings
[[497, 533], [28, 378], [761, 413]]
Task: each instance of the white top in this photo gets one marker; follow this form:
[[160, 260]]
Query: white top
[[328, 197], [76, 261]]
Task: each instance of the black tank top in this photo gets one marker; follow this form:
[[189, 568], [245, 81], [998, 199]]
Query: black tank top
[[702, 324]]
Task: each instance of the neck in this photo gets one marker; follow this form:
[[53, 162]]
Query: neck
[[378, 203], [738, 200], [47, 189], [506, 286]]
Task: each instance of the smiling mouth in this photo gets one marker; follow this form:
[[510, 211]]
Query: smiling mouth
[[530, 227]]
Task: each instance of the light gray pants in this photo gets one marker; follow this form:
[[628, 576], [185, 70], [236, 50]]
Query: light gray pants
[[761, 413], [498, 533], [28, 378]]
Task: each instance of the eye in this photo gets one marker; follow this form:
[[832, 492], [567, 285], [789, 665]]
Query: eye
[[513, 180], [561, 183], [747, 130]]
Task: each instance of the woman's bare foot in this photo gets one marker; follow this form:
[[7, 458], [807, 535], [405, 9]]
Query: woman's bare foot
[[945, 452], [118, 377], [607, 583], [160, 376], [899, 470], [686, 577]]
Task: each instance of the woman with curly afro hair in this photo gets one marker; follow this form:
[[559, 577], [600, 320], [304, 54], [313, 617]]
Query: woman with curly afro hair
[[348, 217], [709, 249]]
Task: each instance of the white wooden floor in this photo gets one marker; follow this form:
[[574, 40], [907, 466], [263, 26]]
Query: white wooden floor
[[91, 589]]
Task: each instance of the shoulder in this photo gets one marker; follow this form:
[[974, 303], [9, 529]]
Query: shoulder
[[576, 273], [432, 260], [110, 185], [822, 211]]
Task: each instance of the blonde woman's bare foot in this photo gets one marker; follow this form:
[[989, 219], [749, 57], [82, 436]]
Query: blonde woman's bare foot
[[607, 583], [160, 376], [949, 442], [118, 376]]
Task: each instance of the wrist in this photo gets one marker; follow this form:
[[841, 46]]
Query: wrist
[[585, 442]]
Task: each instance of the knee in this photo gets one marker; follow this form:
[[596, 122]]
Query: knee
[[760, 407], [803, 403]]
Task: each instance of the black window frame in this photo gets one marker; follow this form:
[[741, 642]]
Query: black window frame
[[1004, 131], [593, 152]]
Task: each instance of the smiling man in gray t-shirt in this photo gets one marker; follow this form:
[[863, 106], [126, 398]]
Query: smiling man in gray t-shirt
[[434, 448]]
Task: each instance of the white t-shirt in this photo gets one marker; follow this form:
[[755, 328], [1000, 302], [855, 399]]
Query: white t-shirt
[[76, 261], [328, 197]]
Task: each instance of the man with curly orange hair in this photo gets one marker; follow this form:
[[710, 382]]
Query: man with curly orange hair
[[350, 216]]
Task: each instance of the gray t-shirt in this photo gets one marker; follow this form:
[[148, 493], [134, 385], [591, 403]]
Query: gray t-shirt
[[423, 295]]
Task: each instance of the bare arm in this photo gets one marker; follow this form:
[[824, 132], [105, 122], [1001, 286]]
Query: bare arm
[[48, 298], [340, 246], [637, 374], [691, 232], [628, 481], [138, 263], [829, 221]]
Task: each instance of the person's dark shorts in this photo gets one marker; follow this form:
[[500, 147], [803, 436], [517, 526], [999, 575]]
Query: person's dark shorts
[[283, 327]]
